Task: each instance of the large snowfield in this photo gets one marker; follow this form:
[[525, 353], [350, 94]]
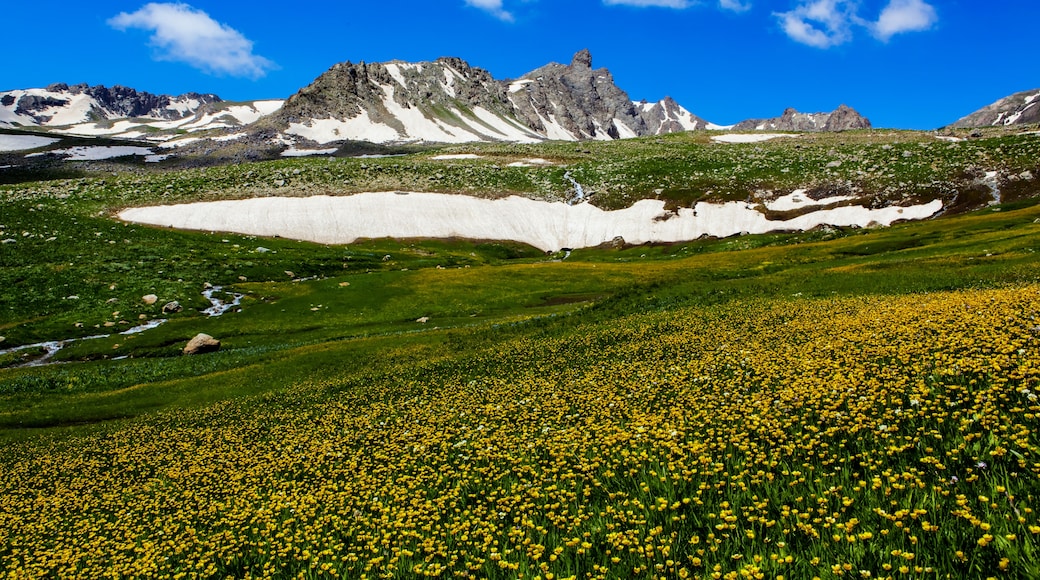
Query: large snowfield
[[549, 226]]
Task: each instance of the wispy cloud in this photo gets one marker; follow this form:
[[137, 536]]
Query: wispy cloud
[[904, 16], [493, 7], [182, 33], [734, 5], [821, 23], [828, 23], [655, 3]]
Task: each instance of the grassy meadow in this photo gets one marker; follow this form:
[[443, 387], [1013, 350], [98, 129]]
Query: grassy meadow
[[838, 403]]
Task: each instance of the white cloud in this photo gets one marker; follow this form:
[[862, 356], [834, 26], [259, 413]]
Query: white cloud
[[185, 34], [827, 23], [904, 16], [821, 23], [493, 7], [734, 5], [656, 3]]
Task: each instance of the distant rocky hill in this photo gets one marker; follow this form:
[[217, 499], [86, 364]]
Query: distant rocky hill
[[1018, 109], [123, 112], [61, 104], [843, 118], [449, 101]]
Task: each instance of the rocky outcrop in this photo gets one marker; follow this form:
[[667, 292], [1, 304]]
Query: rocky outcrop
[[668, 116], [843, 118], [1018, 109]]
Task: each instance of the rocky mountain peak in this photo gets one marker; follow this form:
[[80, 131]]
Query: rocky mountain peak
[[582, 59]]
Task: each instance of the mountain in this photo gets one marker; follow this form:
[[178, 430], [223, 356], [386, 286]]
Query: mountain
[[843, 118], [123, 112], [1018, 109], [449, 101]]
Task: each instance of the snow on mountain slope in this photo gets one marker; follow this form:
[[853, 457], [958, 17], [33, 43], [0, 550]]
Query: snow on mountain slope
[[444, 101], [449, 101], [1017, 109]]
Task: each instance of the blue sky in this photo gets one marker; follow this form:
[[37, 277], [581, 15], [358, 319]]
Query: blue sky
[[903, 63]]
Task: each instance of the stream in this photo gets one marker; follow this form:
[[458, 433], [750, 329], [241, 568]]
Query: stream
[[217, 307], [579, 192]]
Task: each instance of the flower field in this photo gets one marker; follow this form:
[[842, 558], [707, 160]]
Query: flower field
[[855, 437]]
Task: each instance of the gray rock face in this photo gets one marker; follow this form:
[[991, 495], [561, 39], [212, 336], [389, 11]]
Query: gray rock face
[[584, 102], [201, 343], [1018, 109], [843, 118]]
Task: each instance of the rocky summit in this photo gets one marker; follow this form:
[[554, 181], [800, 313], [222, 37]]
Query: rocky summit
[[843, 118]]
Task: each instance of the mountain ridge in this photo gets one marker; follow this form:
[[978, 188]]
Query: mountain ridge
[[448, 100], [1021, 108], [844, 118]]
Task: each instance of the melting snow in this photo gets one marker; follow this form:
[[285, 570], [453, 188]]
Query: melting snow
[[23, 142], [545, 225], [530, 162], [517, 86], [361, 128], [457, 156], [97, 153], [798, 200], [748, 137], [293, 152], [395, 72], [511, 131]]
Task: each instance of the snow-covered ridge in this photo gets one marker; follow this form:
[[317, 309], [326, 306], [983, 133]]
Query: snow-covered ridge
[[545, 225], [123, 112]]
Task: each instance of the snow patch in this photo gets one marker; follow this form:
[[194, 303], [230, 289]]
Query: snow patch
[[360, 128], [293, 152], [456, 156], [546, 225], [97, 153], [797, 199], [511, 131], [23, 142], [517, 86], [395, 72]]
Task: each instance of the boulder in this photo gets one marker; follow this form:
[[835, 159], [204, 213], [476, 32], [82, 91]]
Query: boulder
[[172, 307], [149, 299], [202, 343]]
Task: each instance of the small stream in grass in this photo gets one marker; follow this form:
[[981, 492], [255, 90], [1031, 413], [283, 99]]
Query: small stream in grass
[[50, 348]]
